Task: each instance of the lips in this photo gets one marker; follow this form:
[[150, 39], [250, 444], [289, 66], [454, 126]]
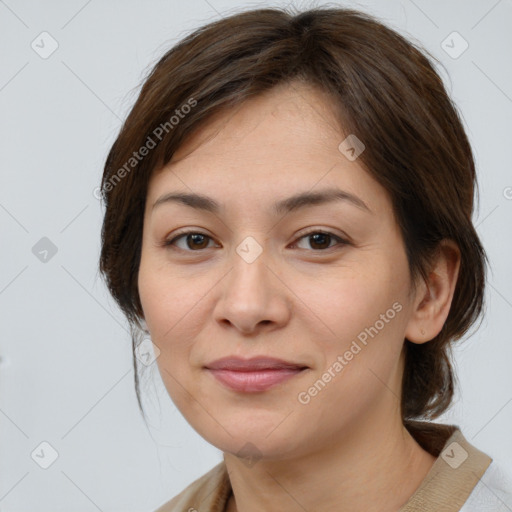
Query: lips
[[253, 375], [253, 364]]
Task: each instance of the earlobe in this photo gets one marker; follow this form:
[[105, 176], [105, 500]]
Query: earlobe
[[433, 304]]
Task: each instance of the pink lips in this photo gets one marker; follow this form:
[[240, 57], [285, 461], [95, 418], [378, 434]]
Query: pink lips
[[252, 375]]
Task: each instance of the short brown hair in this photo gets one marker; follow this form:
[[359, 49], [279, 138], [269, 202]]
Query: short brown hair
[[385, 91]]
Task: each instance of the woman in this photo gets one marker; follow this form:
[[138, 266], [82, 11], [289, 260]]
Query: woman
[[288, 215]]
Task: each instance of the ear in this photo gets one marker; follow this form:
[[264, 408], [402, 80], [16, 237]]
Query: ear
[[434, 298]]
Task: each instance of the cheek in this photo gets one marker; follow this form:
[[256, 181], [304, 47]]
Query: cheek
[[345, 303], [175, 308], [166, 297], [358, 371], [364, 318]]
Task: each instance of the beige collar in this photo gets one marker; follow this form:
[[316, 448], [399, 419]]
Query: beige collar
[[455, 473], [448, 484]]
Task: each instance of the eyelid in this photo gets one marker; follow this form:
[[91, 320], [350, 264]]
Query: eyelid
[[308, 231], [179, 234], [342, 240]]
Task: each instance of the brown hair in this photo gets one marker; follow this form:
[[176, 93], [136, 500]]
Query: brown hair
[[385, 91]]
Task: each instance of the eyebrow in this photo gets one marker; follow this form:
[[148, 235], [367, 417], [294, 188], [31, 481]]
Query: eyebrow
[[295, 202]]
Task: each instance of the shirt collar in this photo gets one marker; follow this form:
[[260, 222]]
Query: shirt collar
[[455, 473]]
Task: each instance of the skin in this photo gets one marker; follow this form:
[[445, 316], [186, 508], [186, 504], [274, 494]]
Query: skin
[[303, 299]]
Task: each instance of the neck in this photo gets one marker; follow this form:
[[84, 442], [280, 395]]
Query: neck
[[376, 467]]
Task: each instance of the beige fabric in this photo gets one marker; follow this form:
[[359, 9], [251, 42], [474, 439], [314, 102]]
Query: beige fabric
[[448, 484], [209, 493], [455, 473]]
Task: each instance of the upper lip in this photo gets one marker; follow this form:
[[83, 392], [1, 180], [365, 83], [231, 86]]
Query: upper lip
[[252, 364]]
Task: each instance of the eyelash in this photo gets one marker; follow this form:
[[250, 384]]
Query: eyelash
[[341, 241]]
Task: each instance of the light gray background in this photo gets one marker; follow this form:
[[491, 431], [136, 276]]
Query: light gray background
[[66, 373]]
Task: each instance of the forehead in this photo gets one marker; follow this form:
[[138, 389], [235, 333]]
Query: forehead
[[276, 144], [298, 106]]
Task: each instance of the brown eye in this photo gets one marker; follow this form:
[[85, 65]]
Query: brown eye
[[321, 240], [193, 241]]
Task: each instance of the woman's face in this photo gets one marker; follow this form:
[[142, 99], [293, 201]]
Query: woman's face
[[257, 281]]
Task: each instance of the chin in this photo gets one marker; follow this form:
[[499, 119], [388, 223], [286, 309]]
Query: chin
[[254, 441]]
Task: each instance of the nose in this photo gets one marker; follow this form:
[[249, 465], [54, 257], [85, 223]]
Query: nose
[[253, 297]]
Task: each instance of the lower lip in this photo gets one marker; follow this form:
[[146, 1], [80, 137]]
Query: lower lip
[[253, 381]]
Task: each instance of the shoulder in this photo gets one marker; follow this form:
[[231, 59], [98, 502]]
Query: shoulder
[[492, 493], [208, 492]]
